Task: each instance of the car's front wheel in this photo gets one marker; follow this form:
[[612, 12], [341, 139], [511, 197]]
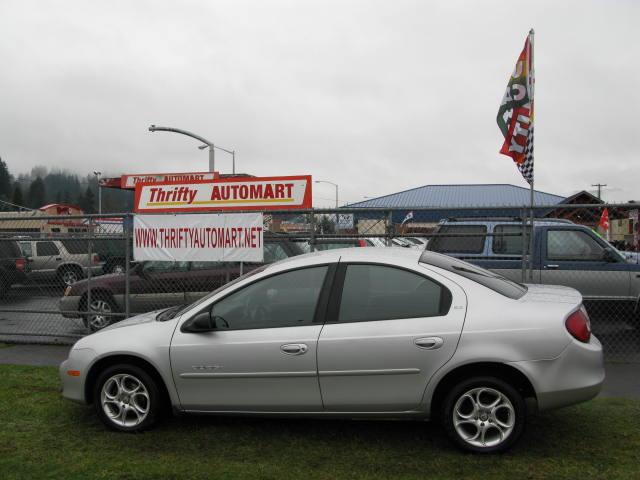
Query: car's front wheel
[[127, 398], [484, 415], [99, 312]]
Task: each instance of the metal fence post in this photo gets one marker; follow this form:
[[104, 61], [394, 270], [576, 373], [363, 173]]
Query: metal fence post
[[312, 236], [389, 228], [89, 265], [524, 246], [128, 239]]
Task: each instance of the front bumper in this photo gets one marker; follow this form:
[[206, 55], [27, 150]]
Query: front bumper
[[73, 385], [575, 376], [70, 304]]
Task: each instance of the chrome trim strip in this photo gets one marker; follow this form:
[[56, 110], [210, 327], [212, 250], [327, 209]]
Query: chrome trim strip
[[386, 371], [248, 375]]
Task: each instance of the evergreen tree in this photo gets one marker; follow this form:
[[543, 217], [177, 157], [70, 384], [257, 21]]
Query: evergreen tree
[[17, 198], [36, 197], [5, 181], [89, 201]]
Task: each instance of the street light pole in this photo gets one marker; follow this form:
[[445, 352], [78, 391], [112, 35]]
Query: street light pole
[[331, 183], [207, 144], [98, 174]]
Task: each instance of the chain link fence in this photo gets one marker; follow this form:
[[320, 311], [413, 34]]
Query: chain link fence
[[62, 277]]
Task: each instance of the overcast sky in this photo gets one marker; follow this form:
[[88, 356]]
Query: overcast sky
[[377, 96]]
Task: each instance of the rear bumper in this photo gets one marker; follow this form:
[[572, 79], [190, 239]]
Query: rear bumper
[[575, 376]]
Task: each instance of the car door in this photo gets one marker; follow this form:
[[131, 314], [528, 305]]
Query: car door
[[388, 331], [575, 257], [262, 354], [158, 285], [46, 259]]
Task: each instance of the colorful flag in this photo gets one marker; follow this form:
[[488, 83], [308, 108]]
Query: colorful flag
[[515, 116], [604, 222]]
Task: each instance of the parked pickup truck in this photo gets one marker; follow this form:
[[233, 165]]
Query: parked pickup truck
[[563, 254]]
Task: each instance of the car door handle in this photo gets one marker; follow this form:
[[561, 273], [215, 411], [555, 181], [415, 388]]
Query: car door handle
[[294, 348], [552, 267], [429, 343]]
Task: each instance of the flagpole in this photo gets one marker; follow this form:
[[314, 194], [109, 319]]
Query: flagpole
[[531, 115]]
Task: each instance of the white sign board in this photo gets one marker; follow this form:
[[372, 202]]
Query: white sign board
[[345, 221], [205, 238]]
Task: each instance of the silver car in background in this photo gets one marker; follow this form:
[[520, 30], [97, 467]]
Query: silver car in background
[[361, 332]]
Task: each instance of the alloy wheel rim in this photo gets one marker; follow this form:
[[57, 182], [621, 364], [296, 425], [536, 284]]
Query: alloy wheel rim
[[484, 417], [97, 319], [125, 400], [69, 277]]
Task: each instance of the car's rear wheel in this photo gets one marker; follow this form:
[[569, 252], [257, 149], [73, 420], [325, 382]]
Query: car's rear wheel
[[127, 398], [69, 275], [117, 269], [484, 415]]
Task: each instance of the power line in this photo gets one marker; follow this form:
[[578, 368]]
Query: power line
[[21, 207]]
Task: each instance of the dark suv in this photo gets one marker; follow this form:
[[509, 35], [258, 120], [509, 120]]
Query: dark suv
[[156, 285], [13, 265]]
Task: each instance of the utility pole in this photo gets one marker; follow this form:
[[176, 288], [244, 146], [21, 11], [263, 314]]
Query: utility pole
[[599, 185]]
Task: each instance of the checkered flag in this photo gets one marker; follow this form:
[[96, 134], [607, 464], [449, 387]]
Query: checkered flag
[[526, 167], [515, 116]]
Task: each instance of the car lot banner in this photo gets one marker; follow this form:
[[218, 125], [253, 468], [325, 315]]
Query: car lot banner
[[207, 237], [247, 193]]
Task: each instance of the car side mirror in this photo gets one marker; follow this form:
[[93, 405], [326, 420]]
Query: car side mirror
[[202, 322]]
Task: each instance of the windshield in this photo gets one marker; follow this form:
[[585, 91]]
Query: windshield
[[215, 292], [487, 278]]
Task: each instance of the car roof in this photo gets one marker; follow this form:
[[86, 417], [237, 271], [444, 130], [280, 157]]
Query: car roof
[[353, 254]]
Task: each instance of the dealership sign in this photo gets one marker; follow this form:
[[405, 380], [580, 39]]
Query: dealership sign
[[246, 193], [130, 181], [207, 238]]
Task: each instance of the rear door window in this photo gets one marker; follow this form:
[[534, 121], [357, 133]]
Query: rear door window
[[464, 239], [378, 292], [507, 239], [46, 249]]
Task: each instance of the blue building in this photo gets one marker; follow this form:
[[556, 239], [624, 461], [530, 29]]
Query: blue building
[[445, 201]]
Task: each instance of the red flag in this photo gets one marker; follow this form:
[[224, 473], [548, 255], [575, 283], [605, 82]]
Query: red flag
[[515, 115], [604, 220]]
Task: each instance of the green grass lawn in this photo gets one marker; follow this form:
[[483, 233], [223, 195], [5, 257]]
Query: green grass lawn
[[44, 436]]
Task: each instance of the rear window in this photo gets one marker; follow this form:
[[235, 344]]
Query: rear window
[[507, 239], [465, 239], [491, 280]]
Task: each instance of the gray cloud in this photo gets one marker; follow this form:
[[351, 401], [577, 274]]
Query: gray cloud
[[377, 96]]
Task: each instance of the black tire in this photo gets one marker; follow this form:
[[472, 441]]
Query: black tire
[[154, 406], [484, 419]]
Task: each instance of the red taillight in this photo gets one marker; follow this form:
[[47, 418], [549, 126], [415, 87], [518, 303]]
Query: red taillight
[[578, 325], [362, 243], [96, 258], [20, 264]]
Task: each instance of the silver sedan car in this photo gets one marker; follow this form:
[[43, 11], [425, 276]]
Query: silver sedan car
[[361, 332]]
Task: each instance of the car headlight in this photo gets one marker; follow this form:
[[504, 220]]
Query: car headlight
[[67, 291]]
